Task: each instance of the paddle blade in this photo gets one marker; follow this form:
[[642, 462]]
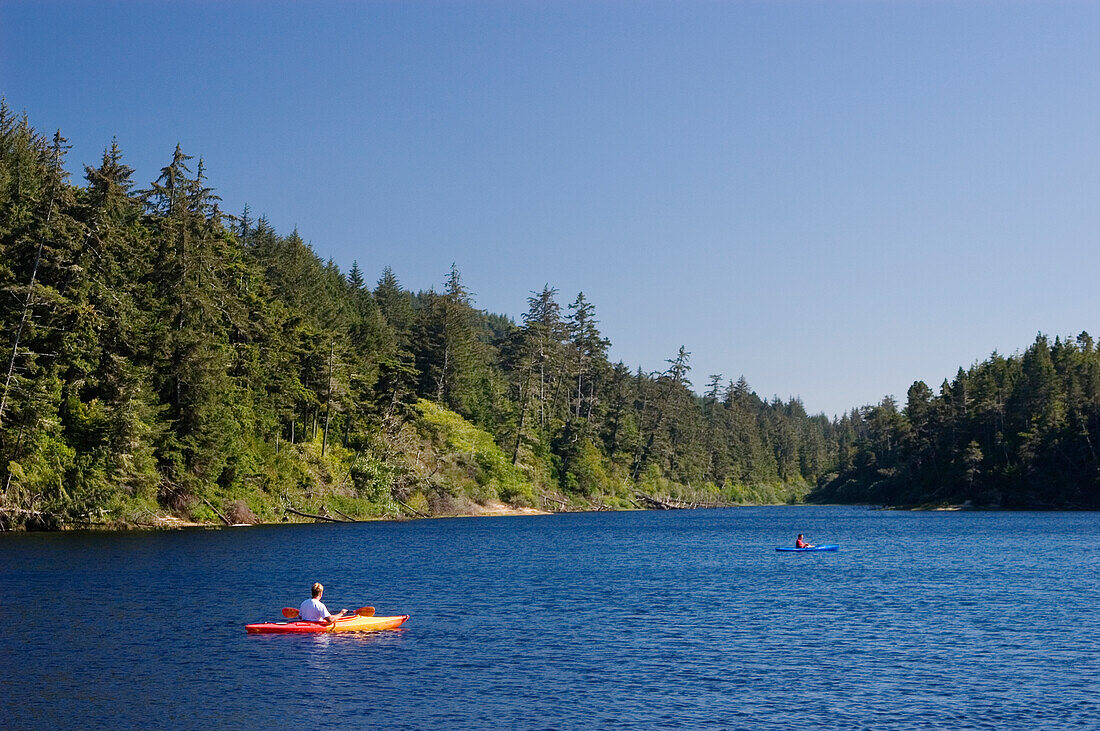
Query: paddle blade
[[290, 612], [365, 611]]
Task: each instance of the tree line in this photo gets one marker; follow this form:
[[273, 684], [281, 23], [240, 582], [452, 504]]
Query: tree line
[[1017, 432], [163, 355]]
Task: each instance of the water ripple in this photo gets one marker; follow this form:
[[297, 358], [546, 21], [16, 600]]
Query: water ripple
[[640, 620]]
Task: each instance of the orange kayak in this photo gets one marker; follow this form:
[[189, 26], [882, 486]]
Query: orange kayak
[[344, 624]]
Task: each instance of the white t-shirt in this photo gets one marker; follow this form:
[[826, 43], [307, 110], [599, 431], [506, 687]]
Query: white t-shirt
[[312, 610]]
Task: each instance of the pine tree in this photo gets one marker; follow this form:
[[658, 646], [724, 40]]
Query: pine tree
[[589, 354], [535, 362], [449, 358], [194, 357], [355, 278], [115, 263]]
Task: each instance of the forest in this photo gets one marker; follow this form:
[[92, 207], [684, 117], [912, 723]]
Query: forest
[[167, 362], [165, 359], [1016, 432]]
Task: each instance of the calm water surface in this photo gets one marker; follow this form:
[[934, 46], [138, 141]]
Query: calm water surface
[[621, 620]]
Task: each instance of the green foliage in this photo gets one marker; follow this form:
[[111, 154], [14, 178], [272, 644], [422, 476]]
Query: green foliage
[[1011, 432], [168, 361], [373, 478], [493, 475], [774, 493], [586, 473]]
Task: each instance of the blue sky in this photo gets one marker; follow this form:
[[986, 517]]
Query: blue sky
[[833, 199]]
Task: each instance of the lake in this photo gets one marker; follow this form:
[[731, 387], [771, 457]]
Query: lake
[[684, 619]]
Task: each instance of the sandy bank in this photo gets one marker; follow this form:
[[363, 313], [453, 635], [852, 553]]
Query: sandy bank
[[499, 508]]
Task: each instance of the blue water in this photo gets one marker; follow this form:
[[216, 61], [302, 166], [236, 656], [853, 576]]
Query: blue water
[[622, 620]]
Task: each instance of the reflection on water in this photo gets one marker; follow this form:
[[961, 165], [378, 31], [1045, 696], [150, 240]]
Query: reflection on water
[[631, 619]]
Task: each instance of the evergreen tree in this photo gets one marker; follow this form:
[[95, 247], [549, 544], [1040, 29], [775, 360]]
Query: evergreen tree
[[355, 278], [155, 342], [449, 358], [193, 357]]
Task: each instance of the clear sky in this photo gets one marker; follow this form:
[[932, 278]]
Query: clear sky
[[833, 199]]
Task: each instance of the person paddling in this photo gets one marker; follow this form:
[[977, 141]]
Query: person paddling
[[799, 543], [312, 610]]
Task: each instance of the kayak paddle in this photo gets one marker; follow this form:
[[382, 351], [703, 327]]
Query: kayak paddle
[[292, 613]]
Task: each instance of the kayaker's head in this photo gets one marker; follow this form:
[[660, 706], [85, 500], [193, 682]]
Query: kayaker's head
[[316, 585], [317, 590]]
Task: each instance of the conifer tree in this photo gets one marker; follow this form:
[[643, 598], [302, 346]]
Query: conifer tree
[[115, 263], [193, 361], [449, 359], [355, 278], [589, 354]]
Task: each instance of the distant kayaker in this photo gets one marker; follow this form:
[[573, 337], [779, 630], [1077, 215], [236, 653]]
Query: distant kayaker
[[312, 610], [798, 543]]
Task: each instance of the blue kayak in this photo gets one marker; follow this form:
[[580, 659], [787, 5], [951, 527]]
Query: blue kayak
[[792, 549]]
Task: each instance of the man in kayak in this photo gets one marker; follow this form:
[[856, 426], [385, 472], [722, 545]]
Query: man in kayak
[[799, 543], [312, 610]]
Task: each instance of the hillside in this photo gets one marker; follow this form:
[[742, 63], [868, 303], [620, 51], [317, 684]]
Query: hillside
[[169, 362]]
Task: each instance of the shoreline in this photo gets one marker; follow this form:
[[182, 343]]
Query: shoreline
[[171, 522], [488, 510]]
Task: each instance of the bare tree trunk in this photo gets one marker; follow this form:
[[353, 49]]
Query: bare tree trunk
[[542, 385], [30, 297], [22, 322], [328, 398], [314, 516], [522, 413], [216, 512], [442, 375]]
